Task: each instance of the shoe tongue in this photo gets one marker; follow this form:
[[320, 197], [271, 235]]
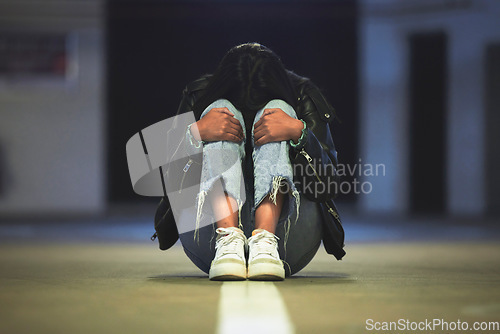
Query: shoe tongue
[[257, 231], [229, 230]]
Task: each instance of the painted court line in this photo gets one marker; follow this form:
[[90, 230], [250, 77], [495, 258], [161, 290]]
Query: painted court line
[[252, 307]]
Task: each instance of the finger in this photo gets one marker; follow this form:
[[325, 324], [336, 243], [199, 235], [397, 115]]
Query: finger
[[236, 126], [260, 141], [258, 132], [236, 129], [222, 110], [234, 120], [264, 140], [230, 117], [269, 111], [231, 137], [219, 110], [258, 136], [226, 111], [232, 130], [258, 123]]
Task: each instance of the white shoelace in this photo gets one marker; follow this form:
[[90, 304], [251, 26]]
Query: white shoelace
[[264, 243], [231, 240]]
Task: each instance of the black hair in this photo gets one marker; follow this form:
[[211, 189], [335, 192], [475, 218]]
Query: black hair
[[249, 75]]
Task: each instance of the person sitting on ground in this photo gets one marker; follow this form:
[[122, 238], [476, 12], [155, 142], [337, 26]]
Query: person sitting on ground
[[277, 125]]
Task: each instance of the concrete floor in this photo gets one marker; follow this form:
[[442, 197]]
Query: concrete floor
[[132, 287]]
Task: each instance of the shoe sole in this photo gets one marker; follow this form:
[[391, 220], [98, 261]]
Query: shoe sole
[[227, 278], [266, 272], [228, 272]]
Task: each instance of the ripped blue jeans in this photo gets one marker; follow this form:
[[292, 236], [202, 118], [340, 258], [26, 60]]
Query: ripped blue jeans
[[223, 160], [248, 181]]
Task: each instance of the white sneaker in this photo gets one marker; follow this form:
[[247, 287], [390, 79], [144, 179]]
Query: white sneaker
[[229, 262], [264, 262]]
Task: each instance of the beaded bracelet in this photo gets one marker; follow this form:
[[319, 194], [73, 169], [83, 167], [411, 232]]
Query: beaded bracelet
[[302, 136]]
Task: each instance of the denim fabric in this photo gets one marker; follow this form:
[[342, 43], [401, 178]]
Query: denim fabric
[[221, 168], [272, 164], [249, 181], [223, 160]]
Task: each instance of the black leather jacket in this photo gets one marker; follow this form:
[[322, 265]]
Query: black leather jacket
[[316, 159]]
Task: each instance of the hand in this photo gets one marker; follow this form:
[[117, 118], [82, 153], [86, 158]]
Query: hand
[[276, 125], [219, 124]]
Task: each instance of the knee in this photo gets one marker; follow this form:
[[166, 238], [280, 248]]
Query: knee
[[223, 103], [280, 104]]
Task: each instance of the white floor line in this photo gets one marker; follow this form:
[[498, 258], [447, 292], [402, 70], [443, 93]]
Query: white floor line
[[252, 307]]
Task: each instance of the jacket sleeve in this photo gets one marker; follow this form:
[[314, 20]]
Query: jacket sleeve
[[315, 159]]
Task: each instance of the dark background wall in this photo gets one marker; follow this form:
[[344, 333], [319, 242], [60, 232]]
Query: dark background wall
[[492, 135], [154, 48], [62, 140], [427, 121]]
